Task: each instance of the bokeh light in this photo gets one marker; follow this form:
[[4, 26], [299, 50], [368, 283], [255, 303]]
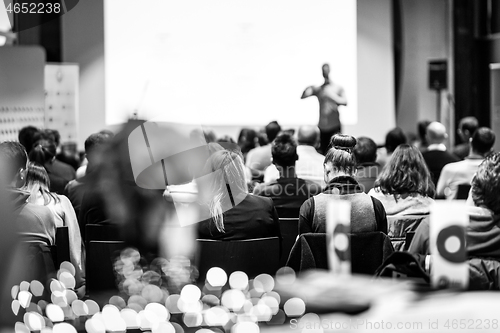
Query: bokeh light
[[216, 277], [36, 288], [80, 308], [63, 328], [118, 302], [190, 293], [164, 327], [15, 305], [159, 310], [93, 307], [294, 307], [130, 318], [171, 303], [238, 280], [14, 291], [192, 319], [233, 299], [54, 313], [263, 283], [216, 316], [285, 276], [67, 280], [24, 298], [21, 328], [24, 286], [34, 321], [271, 302], [245, 327], [66, 265]]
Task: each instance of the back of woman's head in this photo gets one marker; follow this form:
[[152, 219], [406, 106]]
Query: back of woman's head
[[341, 155], [226, 186], [43, 151], [37, 181], [406, 172], [247, 140]]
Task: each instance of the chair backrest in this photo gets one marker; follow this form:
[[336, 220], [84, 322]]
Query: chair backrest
[[100, 266], [368, 252], [62, 246], [252, 256], [399, 226], [463, 191], [102, 232], [38, 264], [289, 231]]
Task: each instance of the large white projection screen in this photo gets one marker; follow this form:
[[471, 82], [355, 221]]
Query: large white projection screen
[[227, 62]]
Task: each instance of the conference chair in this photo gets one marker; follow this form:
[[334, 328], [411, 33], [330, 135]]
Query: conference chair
[[252, 256], [60, 251], [289, 231], [103, 246], [368, 252], [399, 226]]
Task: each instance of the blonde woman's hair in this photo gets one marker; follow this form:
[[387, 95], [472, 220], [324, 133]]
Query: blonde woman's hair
[[227, 176], [37, 181]]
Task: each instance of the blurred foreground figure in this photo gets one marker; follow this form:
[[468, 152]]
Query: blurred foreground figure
[[330, 96]]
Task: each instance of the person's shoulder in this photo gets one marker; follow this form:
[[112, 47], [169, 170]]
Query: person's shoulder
[[260, 200], [38, 211]]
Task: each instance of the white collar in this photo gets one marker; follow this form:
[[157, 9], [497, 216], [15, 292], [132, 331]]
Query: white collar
[[437, 146]]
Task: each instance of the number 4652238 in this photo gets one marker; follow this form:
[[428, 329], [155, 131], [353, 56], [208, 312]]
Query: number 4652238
[[34, 8]]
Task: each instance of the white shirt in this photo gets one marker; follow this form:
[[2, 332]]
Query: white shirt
[[437, 146], [454, 174], [309, 166]]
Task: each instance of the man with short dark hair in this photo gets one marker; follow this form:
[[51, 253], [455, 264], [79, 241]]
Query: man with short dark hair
[[393, 139], [461, 172], [288, 192], [483, 232], [365, 152], [258, 159], [34, 222], [26, 137], [465, 131], [309, 166], [76, 189]]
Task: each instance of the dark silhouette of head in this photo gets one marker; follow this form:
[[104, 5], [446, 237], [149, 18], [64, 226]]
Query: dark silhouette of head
[[284, 150], [365, 150], [325, 69], [467, 127], [93, 143], [272, 130], [247, 140], [482, 141], [394, 138], [44, 151], [422, 131], [27, 137]]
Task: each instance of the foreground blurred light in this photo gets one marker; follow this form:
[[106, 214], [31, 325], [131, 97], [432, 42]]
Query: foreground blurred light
[[34, 321], [263, 283], [63, 328], [118, 302], [130, 318], [67, 280], [233, 299], [46, 330], [139, 300], [152, 293], [311, 320], [36, 288], [192, 319], [147, 320], [15, 306], [203, 330], [238, 280], [294, 307], [217, 277], [34, 308], [24, 298], [196, 306], [210, 300], [93, 307], [216, 316], [159, 310], [80, 308], [245, 327], [21, 328], [285, 276], [164, 327], [190, 293], [171, 303], [14, 291], [261, 312], [112, 319], [59, 298], [54, 312], [70, 296], [66, 265], [94, 326], [274, 295], [24, 286], [271, 302], [56, 286]]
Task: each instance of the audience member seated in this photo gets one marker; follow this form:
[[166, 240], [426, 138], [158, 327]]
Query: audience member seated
[[33, 222], [76, 188], [309, 166], [288, 192], [37, 184], [251, 217], [367, 213], [405, 187], [422, 143], [247, 140], [465, 131], [483, 231], [61, 154], [258, 159], [461, 172], [436, 156], [393, 139], [83, 166], [367, 169], [44, 153]]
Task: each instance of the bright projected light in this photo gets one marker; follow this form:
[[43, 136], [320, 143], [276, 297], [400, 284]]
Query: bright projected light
[[227, 62]]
